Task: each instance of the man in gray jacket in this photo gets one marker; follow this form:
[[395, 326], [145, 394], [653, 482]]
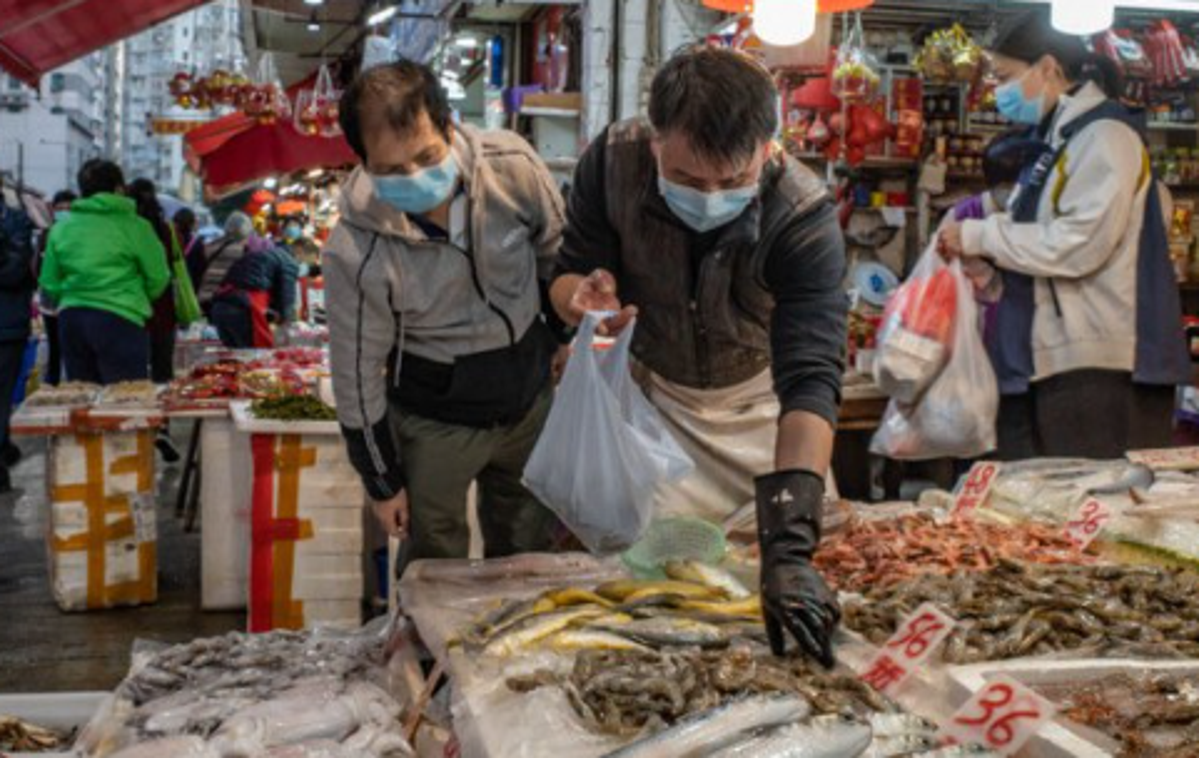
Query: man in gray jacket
[[731, 257], [441, 356]]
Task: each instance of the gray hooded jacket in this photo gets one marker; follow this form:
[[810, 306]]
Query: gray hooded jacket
[[449, 332]]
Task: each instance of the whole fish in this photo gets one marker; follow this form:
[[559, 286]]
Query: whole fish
[[834, 736], [902, 745], [591, 639], [747, 607], [898, 724], [708, 731], [663, 631], [534, 628], [970, 750], [627, 590], [709, 576], [575, 596]]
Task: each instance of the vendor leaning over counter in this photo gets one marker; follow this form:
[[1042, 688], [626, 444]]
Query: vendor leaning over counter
[[730, 256], [441, 357]]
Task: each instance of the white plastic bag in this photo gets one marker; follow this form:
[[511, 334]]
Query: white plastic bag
[[604, 449], [917, 330], [955, 416]]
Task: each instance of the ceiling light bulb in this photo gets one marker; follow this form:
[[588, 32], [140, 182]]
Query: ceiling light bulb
[[784, 23], [1083, 17]]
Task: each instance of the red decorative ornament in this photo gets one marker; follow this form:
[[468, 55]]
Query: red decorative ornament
[[316, 110]]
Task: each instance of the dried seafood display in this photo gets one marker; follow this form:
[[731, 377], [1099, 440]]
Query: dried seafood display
[[1016, 610], [136, 394], [65, 395], [1148, 715], [881, 552], [20, 736]]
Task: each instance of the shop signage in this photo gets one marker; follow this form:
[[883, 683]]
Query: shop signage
[[976, 489], [1002, 716], [917, 638]]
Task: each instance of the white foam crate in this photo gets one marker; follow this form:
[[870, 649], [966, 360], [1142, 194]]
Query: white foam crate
[[54, 710], [1056, 740]]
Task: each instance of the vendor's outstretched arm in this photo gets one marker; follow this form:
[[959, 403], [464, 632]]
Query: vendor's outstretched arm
[[805, 442]]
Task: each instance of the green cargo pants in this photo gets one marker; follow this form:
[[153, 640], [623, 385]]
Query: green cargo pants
[[441, 460]]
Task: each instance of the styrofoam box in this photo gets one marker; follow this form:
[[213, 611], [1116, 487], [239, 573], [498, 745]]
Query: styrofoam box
[[1056, 740], [226, 490], [57, 710]]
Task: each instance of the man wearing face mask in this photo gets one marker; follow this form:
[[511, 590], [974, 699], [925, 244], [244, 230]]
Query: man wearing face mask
[[729, 255], [441, 356], [1088, 342]]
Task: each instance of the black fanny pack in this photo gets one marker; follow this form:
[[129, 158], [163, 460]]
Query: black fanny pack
[[483, 390]]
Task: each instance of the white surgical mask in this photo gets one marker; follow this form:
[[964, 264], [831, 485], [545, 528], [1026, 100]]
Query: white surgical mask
[[705, 211]]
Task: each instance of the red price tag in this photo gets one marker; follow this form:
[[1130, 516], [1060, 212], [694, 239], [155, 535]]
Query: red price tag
[[976, 489], [912, 644], [1087, 523], [1003, 716]]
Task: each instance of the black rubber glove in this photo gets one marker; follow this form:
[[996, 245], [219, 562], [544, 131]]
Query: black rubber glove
[[795, 597]]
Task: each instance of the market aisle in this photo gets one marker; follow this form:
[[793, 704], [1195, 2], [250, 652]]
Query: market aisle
[[43, 649]]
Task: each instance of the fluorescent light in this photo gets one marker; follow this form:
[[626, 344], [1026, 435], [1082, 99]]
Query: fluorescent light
[[316, 173], [313, 24], [784, 23], [378, 17], [469, 43], [314, 2], [270, 182], [1084, 17]]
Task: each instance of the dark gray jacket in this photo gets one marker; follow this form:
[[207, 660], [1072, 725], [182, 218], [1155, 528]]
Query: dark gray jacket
[[716, 309]]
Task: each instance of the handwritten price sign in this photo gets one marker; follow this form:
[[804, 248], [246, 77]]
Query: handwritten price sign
[[1087, 523], [976, 489], [912, 644], [1003, 716]]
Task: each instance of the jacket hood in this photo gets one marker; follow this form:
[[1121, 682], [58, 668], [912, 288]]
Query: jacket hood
[[105, 203], [362, 208]]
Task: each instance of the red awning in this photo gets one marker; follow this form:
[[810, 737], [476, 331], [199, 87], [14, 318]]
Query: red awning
[[37, 36], [236, 149]]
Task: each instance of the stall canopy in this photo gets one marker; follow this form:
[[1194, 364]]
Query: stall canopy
[[40, 35], [236, 149]]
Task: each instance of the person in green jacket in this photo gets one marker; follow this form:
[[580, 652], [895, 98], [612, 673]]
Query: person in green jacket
[[104, 266]]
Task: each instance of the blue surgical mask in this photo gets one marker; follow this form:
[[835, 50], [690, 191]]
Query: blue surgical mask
[[292, 232], [1011, 102], [61, 215], [422, 191], [705, 211]]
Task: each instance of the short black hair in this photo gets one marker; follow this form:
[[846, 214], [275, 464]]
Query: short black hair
[[63, 196], [98, 175], [403, 90], [725, 102], [1009, 154], [185, 218], [1030, 36]]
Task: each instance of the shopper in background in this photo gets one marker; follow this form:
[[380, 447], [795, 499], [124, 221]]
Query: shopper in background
[[104, 267], [162, 325], [17, 286], [730, 255], [258, 289], [440, 354], [1089, 343], [218, 257], [47, 308], [302, 248], [190, 243]]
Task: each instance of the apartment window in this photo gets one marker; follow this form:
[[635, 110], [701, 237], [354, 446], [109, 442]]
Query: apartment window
[[58, 82], [14, 84]]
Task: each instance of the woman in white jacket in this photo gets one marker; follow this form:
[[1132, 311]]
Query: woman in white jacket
[[1090, 344]]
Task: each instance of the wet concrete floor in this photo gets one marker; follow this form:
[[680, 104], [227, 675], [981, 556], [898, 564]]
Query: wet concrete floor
[[43, 649]]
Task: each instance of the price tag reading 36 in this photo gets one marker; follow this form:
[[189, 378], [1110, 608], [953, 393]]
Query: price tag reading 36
[[913, 643], [1087, 523], [1002, 716], [976, 489]]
